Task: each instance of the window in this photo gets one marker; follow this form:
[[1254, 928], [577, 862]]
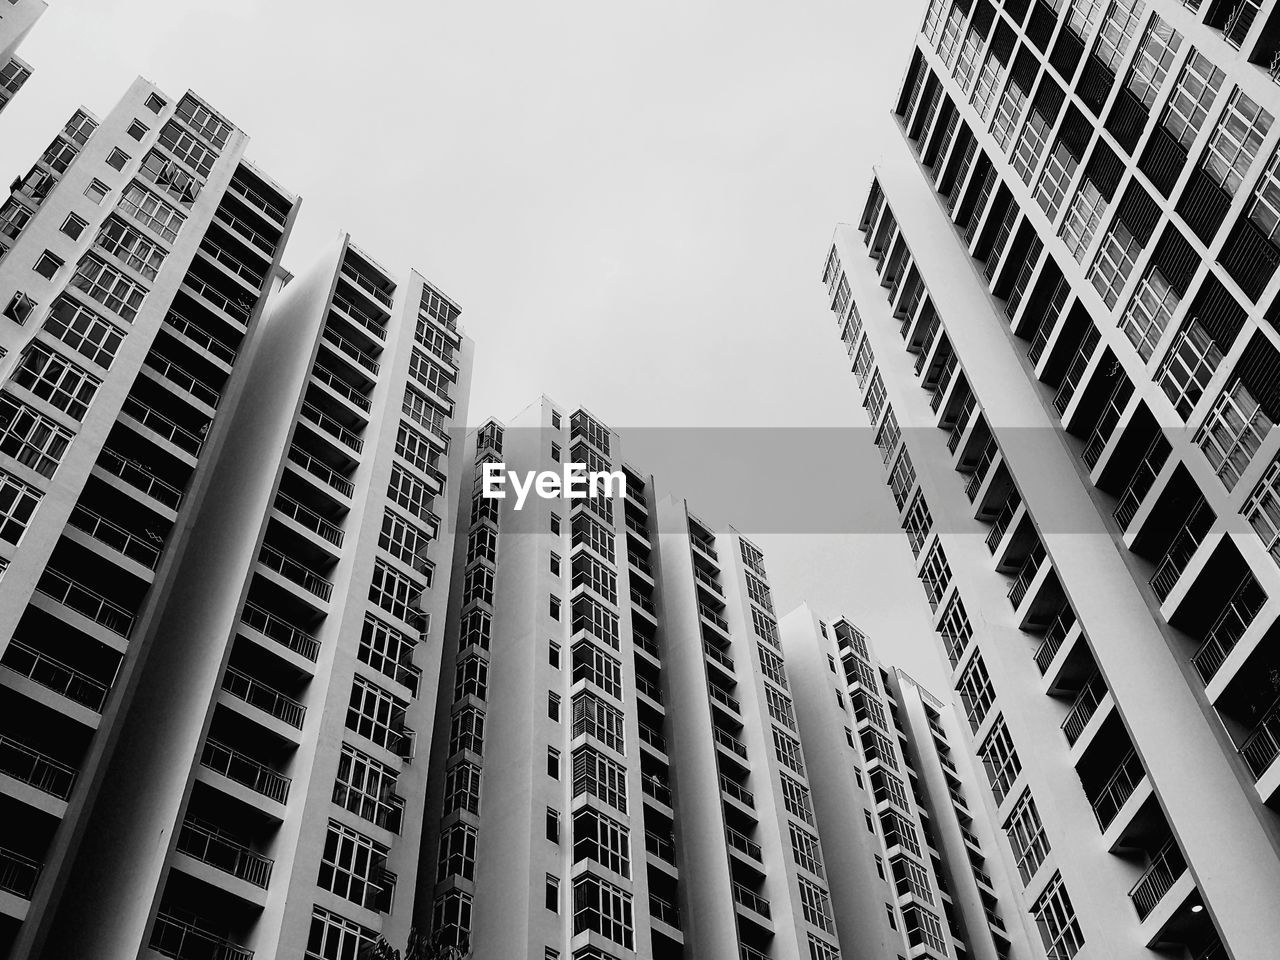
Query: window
[[886, 786], [935, 575], [352, 866], [893, 916], [862, 364], [84, 331], [985, 86], [387, 650], [336, 938], [592, 616], [1026, 836], [152, 212], [819, 949], [187, 149], [888, 435], [976, 692], [551, 894], [96, 191], [130, 247], [1031, 142], [816, 905], [871, 824], [1056, 919], [117, 158], [917, 523], [771, 665], [1262, 509], [204, 121], [48, 265], [56, 380], [1151, 63], [968, 58], [457, 853], [166, 175], [1118, 28], [597, 775], [1232, 432], [137, 130], [954, 628], [910, 878], [553, 607], [759, 592], [475, 629], [19, 307], [804, 846], [594, 534], [462, 788], [471, 678], [555, 523], [1055, 178], [1083, 217], [553, 763], [31, 438], [1000, 759], [553, 824], [901, 478], [590, 572], [795, 799], [452, 917], [554, 563], [421, 409], [592, 664], [466, 731], [1235, 141], [1150, 309], [1115, 259], [555, 420], [109, 286], [73, 226], [1188, 366], [155, 103], [553, 654], [601, 839], [18, 502], [416, 449], [411, 493], [13, 217], [780, 708], [601, 907], [59, 154], [395, 592], [1008, 110], [922, 927], [1192, 95], [879, 864], [553, 706], [595, 718], [787, 749], [555, 452], [899, 832], [873, 402], [375, 714]]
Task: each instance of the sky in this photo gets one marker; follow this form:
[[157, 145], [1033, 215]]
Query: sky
[[631, 201]]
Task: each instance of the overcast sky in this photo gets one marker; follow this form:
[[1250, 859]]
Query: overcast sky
[[631, 201]]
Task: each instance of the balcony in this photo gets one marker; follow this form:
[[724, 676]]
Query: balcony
[[750, 899], [737, 791], [644, 603], [349, 351], [256, 240], [295, 572], [708, 581], [710, 616], [1143, 479], [655, 788], [1226, 631], [245, 771], [1001, 523], [1166, 867], [259, 203], [1084, 707], [57, 676], [258, 694], [206, 843], [186, 941], [704, 546], [18, 874], [1262, 746], [1027, 573], [1053, 638], [35, 769], [138, 476], [981, 469], [245, 274], [653, 738], [664, 911], [723, 698], [730, 742], [322, 471], [144, 552], [238, 310], [661, 846], [751, 953], [719, 656], [648, 687], [367, 285], [308, 518], [1181, 550], [741, 842], [162, 426], [62, 589], [329, 425], [362, 319], [1118, 788], [289, 636], [182, 379]]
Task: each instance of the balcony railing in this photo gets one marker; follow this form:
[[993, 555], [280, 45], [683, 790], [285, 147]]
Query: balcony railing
[[308, 518], [655, 788], [364, 283], [183, 379], [1229, 627], [1165, 869], [185, 941], [339, 386], [57, 676], [1067, 390], [244, 770], [740, 841], [1181, 550], [708, 581], [719, 656], [238, 309], [300, 574], [351, 311], [1118, 789], [750, 899], [660, 845], [751, 953], [1140, 484], [722, 697], [208, 845], [981, 469], [643, 602], [35, 769], [706, 546], [348, 349], [159, 424], [58, 586], [331, 426], [648, 644], [664, 910], [1086, 703], [710, 615], [137, 475], [1053, 637], [648, 688], [653, 737], [258, 240], [284, 633], [115, 536], [256, 200], [1022, 582], [728, 740], [321, 470], [232, 264], [18, 874], [257, 694], [1263, 745], [1003, 518], [737, 791]]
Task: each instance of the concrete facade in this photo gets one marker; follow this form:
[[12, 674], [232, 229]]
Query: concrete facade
[[17, 17]]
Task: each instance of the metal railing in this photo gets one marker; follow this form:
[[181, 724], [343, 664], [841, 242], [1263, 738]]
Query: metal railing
[[341, 387], [244, 770], [1082, 710], [719, 656], [55, 675], [331, 426], [1140, 484], [710, 615], [115, 536], [137, 475], [750, 899], [1003, 519], [1054, 636], [722, 697], [364, 283], [661, 846], [18, 874], [1165, 869], [737, 791], [256, 239], [653, 737], [706, 546], [648, 688], [751, 953], [1263, 744], [350, 350], [349, 310], [1229, 627], [708, 581], [158, 423], [740, 841], [208, 845], [664, 910], [185, 941], [238, 310], [255, 200], [1181, 550], [1067, 389], [322, 471], [643, 602], [243, 271], [308, 518], [731, 742], [182, 378], [655, 788], [648, 644], [1118, 788], [284, 633], [299, 573], [58, 586], [197, 334], [257, 694], [981, 469], [35, 769], [1027, 573]]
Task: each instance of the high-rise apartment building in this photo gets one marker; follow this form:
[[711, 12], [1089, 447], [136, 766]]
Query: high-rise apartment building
[[221, 483], [1059, 305], [16, 20]]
